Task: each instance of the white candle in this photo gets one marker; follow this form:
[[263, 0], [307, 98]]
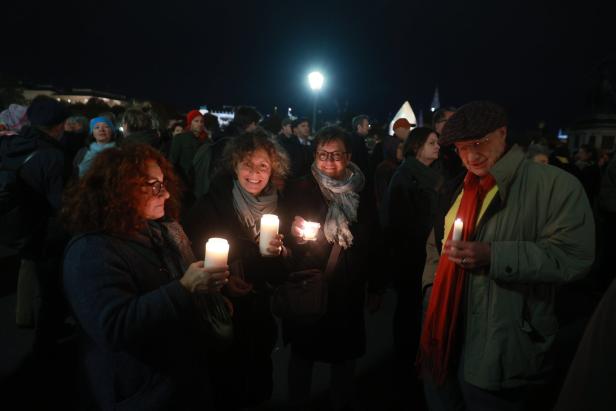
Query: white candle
[[269, 229], [310, 230], [457, 230], [216, 253]]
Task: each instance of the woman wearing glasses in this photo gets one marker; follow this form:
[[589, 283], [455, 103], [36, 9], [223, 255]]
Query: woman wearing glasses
[[334, 196], [132, 283], [232, 209]]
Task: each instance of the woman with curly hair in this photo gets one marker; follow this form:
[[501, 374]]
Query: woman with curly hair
[[133, 285], [232, 209]]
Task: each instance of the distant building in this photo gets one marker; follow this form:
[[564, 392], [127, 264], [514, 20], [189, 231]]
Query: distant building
[[598, 127], [75, 96]]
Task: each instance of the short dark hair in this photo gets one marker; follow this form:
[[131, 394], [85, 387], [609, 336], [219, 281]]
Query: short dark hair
[[357, 120], [440, 114], [332, 133], [245, 115], [299, 121], [416, 139], [136, 120], [286, 122]]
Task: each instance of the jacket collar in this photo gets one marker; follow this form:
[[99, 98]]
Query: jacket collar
[[505, 170]]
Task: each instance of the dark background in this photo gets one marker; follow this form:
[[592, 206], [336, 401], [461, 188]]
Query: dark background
[[539, 59]]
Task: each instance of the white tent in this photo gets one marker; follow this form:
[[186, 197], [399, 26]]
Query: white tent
[[405, 112]]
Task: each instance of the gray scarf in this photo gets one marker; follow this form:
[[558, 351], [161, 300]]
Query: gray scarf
[[250, 209], [343, 199]]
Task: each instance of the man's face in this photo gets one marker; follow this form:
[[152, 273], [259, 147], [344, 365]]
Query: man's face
[[286, 130], [438, 126], [479, 156], [302, 130], [402, 133], [363, 128]]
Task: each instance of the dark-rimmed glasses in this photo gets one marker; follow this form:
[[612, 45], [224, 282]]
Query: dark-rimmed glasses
[[158, 187], [333, 155]]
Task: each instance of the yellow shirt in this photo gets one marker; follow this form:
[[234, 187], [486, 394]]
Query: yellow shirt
[[453, 211]]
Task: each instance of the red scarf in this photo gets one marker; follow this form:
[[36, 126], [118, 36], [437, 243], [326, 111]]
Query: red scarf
[[437, 344]]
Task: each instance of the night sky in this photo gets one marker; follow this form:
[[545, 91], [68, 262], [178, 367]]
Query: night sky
[[538, 59]]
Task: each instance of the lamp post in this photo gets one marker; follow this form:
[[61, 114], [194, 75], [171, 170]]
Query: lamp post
[[315, 79]]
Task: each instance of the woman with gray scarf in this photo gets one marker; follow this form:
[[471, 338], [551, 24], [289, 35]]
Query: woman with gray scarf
[[232, 209], [334, 196]]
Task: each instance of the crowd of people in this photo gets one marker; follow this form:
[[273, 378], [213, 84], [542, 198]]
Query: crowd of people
[[477, 232]]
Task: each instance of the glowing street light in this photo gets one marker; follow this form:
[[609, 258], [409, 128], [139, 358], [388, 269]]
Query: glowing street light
[[315, 79]]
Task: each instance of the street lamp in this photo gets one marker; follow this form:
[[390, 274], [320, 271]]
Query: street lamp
[[315, 79]]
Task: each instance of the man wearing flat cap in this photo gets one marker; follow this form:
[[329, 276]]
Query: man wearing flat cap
[[523, 229]]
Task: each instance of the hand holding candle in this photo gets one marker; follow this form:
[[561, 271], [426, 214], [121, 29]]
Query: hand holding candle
[[457, 230], [310, 230], [268, 231], [216, 253]]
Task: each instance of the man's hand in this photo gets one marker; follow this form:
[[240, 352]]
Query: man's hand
[[469, 255]]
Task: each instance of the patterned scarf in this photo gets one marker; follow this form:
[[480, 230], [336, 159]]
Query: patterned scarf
[[343, 199], [438, 337], [251, 208]]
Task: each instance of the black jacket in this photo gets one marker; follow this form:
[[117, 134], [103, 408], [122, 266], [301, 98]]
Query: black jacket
[[244, 373], [340, 334]]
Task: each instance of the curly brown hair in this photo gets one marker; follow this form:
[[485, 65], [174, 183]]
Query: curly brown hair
[[108, 197], [241, 147]]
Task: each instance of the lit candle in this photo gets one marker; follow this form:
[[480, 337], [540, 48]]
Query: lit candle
[[269, 229], [216, 253], [310, 230], [457, 230]]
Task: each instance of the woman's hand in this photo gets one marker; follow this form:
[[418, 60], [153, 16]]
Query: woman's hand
[[236, 287], [297, 229], [199, 279], [276, 245]]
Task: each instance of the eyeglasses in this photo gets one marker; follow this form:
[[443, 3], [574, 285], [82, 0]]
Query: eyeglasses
[[158, 187], [334, 155], [475, 145]]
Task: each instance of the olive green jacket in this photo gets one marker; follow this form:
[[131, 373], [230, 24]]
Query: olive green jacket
[[541, 231]]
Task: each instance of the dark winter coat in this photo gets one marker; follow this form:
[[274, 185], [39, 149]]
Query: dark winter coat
[[300, 156], [244, 373], [340, 335], [407, 215], [143, 347]]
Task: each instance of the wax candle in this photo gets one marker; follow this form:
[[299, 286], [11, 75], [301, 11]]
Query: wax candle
[[457, 230], [310, 230], [269, 229], [216, 252]]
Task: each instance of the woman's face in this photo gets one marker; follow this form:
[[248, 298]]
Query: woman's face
[[332, 159], [197, 124], [429, 151], [102, 133], [154, 192], [254, 171]]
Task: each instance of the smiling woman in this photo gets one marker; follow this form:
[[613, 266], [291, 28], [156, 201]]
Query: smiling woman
[[232, 209]]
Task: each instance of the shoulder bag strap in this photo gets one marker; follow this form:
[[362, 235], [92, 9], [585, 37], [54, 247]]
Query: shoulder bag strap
[[332, 260]]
